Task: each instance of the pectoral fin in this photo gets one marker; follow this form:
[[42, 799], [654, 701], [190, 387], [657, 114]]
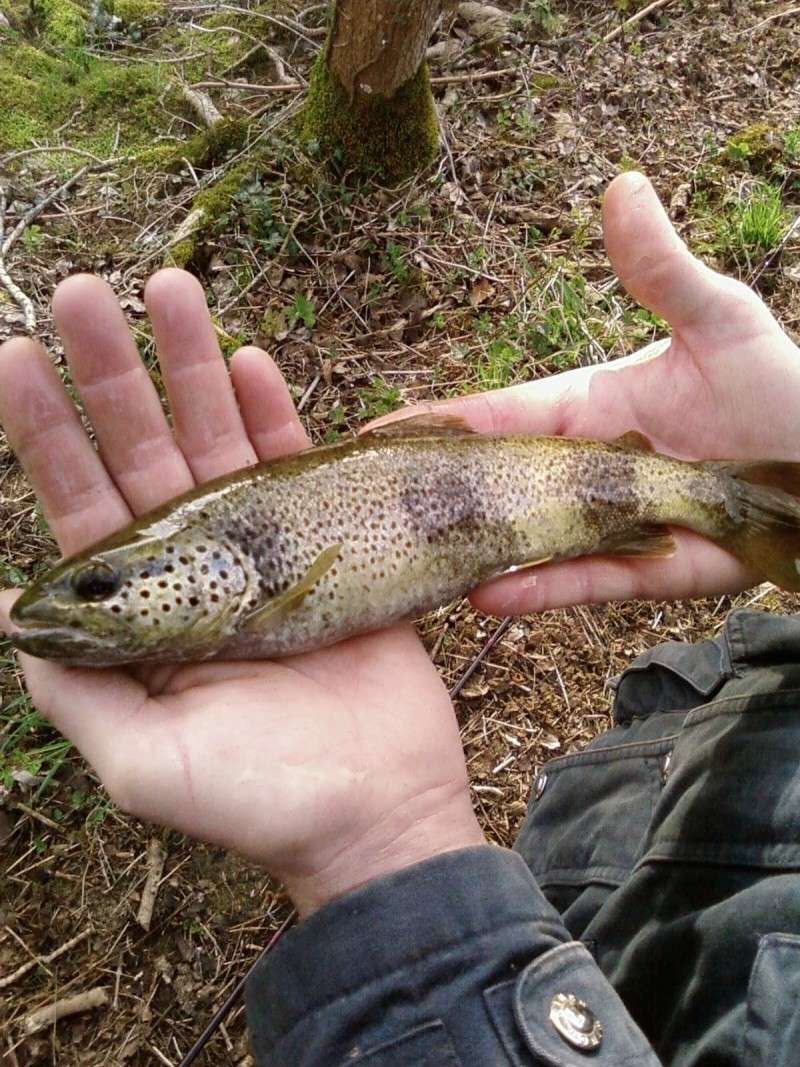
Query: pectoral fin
[[634, 442], [646, 542], [280, 606], [429, 424]]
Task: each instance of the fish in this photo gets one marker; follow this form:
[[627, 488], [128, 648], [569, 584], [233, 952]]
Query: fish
[[305, 551]]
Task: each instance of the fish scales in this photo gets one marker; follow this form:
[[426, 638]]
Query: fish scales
[[296, 554], [418, 527]]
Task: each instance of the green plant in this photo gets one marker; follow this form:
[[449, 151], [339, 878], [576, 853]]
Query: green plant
[[495, 367], [541, 12], [395, 263], [302, 310], [753, 225], [379, 398], [32, 238], [762, 220], [29, 744], [791, 145]]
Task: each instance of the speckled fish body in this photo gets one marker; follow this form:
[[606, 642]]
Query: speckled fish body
[[297, 554]]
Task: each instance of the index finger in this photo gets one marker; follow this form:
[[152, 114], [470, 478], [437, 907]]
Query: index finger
[[78, 497]]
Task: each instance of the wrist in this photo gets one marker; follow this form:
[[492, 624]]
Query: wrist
[[402, 839]]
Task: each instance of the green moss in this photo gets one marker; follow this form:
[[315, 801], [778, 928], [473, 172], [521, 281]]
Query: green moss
[[388, 138], [214, 202], [215, 145], [62, 22], [135, 10], [180, 255], [758, 147], [116, 103]]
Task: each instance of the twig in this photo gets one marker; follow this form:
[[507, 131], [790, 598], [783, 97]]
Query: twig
[[770, 258], [17, 295], [59, 1009], [285, 23], [42, 961], [43, 819], [202, 105], [155, 868], [484, 652], [66, 149], [289, 86], [281, 87], [478, 76], [37, 209], [221, 1014], [637, 17], [307, 394], [770, 18]]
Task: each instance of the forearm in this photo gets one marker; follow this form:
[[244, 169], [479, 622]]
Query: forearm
[[454, 961]]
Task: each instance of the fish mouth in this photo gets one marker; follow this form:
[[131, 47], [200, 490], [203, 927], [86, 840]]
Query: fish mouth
[[57, 643]]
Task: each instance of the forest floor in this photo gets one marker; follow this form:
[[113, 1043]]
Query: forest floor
[[486, 270]]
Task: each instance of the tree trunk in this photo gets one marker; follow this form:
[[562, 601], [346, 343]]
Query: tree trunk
[[369, 102]]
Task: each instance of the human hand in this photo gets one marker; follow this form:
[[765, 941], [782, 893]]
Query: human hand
[[330, 768], [727, 387]]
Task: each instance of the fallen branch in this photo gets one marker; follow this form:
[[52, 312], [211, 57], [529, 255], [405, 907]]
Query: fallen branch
[[7, 243], [632, 21], [42, 961], [155, 864], [294, 86], [484, 652], [60, 1009], [202, 105], [770, 18]]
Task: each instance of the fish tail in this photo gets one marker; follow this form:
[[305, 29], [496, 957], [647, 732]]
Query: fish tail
[[764, 503]]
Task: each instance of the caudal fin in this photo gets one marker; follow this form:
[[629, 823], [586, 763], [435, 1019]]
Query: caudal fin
[[766, 511]]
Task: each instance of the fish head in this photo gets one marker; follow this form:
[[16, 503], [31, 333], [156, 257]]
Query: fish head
[[140, 598]]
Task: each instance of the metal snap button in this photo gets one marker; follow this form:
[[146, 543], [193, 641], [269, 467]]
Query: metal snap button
[[540, 785], [665, 768], [575, 1022]]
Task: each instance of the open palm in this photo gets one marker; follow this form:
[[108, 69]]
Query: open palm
[[727, 386], [313, 765]]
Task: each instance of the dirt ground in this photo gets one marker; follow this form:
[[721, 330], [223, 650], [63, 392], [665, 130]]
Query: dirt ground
[[486, 270]]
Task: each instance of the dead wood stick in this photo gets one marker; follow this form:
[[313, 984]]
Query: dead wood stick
[[771, 18], [7, 243], [629, 22], [37, 815], [156, 857], [202, 105], [60, 1009], [293, 86], [9, 979], [37, 209]]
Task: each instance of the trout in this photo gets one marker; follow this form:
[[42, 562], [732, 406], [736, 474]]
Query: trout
[[299, 553]]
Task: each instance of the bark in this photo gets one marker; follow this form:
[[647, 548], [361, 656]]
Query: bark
[[378, 45], [369, 103]]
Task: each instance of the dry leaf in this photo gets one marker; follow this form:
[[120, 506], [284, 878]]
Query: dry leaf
[[480, 292]]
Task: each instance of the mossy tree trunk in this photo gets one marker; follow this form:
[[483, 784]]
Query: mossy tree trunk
[[369, 102]]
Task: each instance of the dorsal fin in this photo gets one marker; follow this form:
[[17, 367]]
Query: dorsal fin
[[426, 425], [635, 441]]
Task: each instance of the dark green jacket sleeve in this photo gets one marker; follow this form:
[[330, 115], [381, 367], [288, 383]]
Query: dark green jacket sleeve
[[455, 962]]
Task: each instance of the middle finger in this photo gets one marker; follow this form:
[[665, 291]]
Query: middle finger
[[208, 426], [117, 394]]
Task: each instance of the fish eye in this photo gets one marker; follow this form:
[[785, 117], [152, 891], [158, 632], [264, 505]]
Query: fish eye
[[96, 581]]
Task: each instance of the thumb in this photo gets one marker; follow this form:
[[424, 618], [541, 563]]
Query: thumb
[[659, 271]]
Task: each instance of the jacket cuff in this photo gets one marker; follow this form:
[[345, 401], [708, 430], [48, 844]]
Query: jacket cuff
[[438, 958]]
